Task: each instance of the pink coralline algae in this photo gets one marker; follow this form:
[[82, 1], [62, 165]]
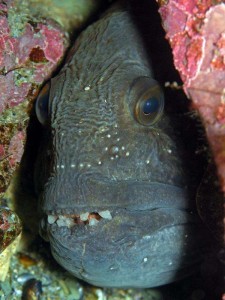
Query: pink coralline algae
[[196, 32], [30, 52], [10, 227], [15, 149], [27, 59]]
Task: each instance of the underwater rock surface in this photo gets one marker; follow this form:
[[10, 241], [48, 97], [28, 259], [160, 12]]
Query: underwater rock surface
[[27, 59], [196, 32]]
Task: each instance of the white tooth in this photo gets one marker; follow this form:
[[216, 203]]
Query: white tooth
[[52, 219], [84, 216], [60, 222], [93, 222], [69, 222], [65, 221], [105, 214]]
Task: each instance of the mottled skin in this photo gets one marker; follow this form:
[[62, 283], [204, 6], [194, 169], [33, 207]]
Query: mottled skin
[[151, 238]]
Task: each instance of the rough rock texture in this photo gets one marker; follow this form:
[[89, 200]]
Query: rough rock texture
[[10, 228], [27, 59], [196, 32], [5, 257]]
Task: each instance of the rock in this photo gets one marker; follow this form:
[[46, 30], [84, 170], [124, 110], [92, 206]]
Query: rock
[[196, 32], [5, 258]]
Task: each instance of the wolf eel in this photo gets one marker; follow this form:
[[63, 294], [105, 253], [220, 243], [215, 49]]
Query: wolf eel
[[112, 189]]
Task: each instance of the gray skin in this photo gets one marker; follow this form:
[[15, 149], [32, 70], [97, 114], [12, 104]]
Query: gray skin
[[97, 155]]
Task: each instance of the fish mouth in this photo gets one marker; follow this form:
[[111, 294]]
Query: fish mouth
[[128, 248], [91, 193], [113, 197], [130, 244]]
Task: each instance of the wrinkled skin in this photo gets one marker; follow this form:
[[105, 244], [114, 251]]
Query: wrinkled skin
[[153, 235]]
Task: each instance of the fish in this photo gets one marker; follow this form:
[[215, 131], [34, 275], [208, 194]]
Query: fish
[[114, 195]]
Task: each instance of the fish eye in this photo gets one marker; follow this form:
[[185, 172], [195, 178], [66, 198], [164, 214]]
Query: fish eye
[[148, 101], [150, 106], [42, 104]]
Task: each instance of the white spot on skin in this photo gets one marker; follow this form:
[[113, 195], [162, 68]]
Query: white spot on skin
[[62, 166], [99, 162], [106, 148], [108, 136], [87, 88], [145, 259], [72, 166], [147, 161], [123, 148], [81, 165], [169, 150], [118, 139], [127, 153], [88, 165]]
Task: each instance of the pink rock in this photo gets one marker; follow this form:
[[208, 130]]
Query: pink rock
[[2, 152], [198, 45], [27, 58], [15, 149]]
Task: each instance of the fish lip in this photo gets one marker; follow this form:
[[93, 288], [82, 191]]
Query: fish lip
[[98, 195], [167, 197]]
